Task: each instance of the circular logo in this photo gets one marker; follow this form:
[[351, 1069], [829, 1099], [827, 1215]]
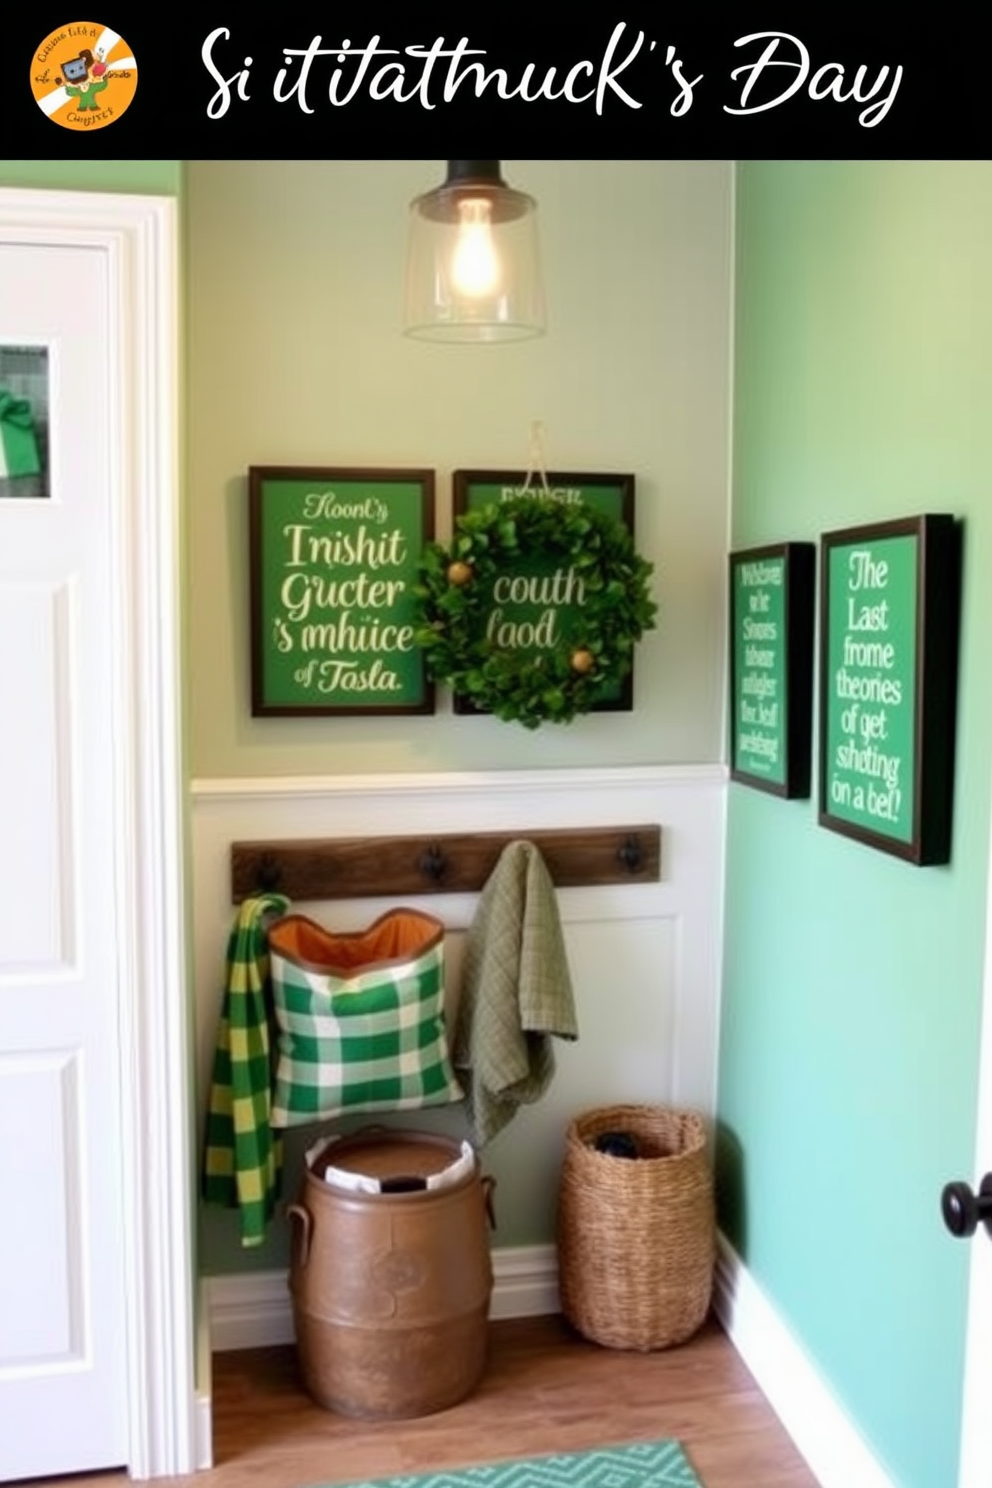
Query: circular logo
[[83, 75]]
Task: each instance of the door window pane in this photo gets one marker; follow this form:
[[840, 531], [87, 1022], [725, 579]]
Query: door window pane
[[24, 399]]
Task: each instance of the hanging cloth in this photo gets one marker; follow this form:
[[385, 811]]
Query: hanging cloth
[[516, 992], [242, 1159], [18, 443]]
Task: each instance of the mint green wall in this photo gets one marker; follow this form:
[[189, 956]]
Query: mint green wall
[[154, 177], [295, 356], [863, 383]]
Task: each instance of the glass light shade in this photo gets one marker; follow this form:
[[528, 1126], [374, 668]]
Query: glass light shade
[[473, 269]]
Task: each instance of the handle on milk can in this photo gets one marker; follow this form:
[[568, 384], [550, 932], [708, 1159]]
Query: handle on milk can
[[488, 1184], [297, 1211]]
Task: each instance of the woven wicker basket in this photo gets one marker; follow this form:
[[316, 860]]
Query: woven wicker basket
[[636, 1236]]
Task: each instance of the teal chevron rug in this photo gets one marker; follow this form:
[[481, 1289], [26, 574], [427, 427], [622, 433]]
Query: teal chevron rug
[[656, 1464]]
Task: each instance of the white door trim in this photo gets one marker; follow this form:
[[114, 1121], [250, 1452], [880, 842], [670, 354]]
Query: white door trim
[[138, 236], [976, 1430]]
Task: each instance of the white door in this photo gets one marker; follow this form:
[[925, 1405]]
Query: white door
[[96, 1310], [62, 1323]]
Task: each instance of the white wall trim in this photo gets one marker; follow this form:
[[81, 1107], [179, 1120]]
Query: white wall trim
[[803, 1401], [204, 1431], [138, 236], [976, 1419], [253, 1310], [525, 1282], [156, 1026], [204, 1375], [462, 782], [249, 1311]]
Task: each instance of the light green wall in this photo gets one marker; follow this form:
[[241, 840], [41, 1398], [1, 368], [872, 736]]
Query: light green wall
[[863, 382], [154, 177], [295, 272]]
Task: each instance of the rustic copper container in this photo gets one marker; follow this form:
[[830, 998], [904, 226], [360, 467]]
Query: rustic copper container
[[391, 1290]]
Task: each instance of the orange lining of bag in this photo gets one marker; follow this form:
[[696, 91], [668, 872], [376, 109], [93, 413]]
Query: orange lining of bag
[[397, 936]]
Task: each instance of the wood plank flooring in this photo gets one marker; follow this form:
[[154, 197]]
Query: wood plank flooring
[[545, 1390]]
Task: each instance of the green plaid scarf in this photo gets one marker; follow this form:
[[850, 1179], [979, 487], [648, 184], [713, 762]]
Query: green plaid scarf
[[242, 1160]]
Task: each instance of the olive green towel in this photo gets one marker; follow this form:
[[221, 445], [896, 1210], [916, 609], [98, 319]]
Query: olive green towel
[[516, 992]]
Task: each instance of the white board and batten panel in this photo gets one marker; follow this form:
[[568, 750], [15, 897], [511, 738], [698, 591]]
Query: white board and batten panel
[[644, 956]]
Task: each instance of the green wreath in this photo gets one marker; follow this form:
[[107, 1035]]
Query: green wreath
[[530, 686]]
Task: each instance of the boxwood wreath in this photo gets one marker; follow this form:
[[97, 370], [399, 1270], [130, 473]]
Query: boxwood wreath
[[521, 685]]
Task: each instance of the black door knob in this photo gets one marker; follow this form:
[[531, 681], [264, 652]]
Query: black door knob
[[964, 1210]]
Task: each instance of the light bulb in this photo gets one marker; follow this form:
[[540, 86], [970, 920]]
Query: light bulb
[[475, 262]]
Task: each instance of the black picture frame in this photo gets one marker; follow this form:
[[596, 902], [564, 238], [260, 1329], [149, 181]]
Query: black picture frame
[[610, 493], [890, 599], [771, 605]]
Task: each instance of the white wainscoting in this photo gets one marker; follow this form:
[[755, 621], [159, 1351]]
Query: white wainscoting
[[254, 1310], [645, 957]]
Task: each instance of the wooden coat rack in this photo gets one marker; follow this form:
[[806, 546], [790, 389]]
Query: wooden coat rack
[[370, 867]]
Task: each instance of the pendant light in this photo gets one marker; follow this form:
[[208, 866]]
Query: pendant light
[[472, 266]]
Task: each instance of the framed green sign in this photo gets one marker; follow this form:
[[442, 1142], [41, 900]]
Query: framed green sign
[[515, 619], [333, 560], [889, 609], [771, 667]]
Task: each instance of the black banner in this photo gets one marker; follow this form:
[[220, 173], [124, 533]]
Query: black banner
[[641, 81]]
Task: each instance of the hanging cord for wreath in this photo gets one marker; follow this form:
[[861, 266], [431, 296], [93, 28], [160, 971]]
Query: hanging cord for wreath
[[536, 461], [609, 608]]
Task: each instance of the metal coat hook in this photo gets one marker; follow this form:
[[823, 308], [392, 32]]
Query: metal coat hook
[[629, 854], [433, 864], [269, 873]]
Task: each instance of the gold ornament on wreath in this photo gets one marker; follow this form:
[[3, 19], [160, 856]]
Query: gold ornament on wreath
[[538, 684]]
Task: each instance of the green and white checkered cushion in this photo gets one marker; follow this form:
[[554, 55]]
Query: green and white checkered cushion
[[360, 1018]]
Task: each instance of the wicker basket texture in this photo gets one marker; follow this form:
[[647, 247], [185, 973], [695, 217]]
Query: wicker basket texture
[[636, 1236]]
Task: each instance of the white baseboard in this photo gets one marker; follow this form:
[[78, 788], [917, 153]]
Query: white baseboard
[[250, 1311], [204, 1428], [525, 1281], [203, 1420], [837, 1454], [253, 1310]]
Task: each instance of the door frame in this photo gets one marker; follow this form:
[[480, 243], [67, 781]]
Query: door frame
[[976, 1420], [138, 238]]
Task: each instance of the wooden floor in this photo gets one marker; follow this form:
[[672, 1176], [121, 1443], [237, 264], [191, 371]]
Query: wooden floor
[[545, 1390]]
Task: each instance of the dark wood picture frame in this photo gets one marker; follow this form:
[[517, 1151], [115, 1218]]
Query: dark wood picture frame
[[890, 599], [611, 493], [334, 553], [771, 604]]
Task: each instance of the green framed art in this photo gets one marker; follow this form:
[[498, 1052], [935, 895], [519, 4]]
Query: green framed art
[[610, 494], [333, 560], [771, 667], [889, 615]]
